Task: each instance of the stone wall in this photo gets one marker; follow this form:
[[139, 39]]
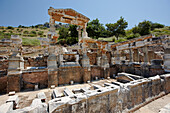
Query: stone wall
[[65, 75], [3, 67], [30, 79], [3, 84], [114, 98]]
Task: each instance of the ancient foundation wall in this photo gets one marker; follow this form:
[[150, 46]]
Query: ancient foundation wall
[[30, 79], [3, 84], [114, 98], [65, 75]]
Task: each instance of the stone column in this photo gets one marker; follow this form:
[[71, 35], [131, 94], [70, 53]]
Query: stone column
[[145, 49], [117, 57], [16, 64], [136, 55], [105, 66], [84, 34], [52, 24], [86, 67], [79, 34], [131, 55], [52, 70], [167, 55]]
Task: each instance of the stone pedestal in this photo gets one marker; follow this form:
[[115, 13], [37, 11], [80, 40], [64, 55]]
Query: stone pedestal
[[16, 64], [85, 61], [52, 77], [13, 82], [52, 70]]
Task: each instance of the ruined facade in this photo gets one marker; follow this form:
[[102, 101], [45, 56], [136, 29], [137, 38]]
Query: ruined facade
[[146, 59]]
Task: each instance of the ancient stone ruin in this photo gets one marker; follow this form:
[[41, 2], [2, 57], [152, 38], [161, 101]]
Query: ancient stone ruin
[[135, 72]]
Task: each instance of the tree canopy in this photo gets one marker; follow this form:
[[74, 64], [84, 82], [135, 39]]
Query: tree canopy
[[117, 28], [95, 29]]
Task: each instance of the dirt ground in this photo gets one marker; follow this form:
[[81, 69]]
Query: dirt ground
[[155, 106]]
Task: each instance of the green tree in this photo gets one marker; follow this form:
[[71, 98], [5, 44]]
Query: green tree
[[117, 28], [63, 32], [73, 31], [144, 27], [95, 29], [33, 32], [135, 29], [10, 27], [156, 25]]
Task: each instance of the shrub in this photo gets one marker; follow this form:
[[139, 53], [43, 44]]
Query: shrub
[[4, 31], [10, 27], [33, 32], [40, 32], [131, 36], [120, 40], [10, 31], [1, 27]]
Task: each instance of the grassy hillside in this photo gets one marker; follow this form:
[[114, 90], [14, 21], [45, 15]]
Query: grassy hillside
[[30, 35], [157, 32]]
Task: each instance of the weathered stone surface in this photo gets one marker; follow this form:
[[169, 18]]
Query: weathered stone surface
[[32, 78], [124, 77], [13, 83], [6, 108], [41, 96]]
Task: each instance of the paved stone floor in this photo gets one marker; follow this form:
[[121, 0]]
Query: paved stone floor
[[154, 106]]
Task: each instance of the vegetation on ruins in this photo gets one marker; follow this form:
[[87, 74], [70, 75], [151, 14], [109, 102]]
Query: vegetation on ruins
[[30, 42], [113, 32]]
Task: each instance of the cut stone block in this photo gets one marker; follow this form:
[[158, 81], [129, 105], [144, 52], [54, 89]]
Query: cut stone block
[[6, 108], [96, 87], [67, 92], [41, 96], [124, 77], [165, 109], [36, 87], [11, 93], [36, 102], [56, 94], [13, 99], [52, 86]]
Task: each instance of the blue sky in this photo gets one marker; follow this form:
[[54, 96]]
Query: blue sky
[[32, 12]]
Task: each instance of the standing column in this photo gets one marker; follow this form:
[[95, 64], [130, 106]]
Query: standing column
[[167, 55], [52, 24], [136, 55], [79, 34], [52, 68], [84, 34], [131, 55], [117, 57], [145, 49]]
